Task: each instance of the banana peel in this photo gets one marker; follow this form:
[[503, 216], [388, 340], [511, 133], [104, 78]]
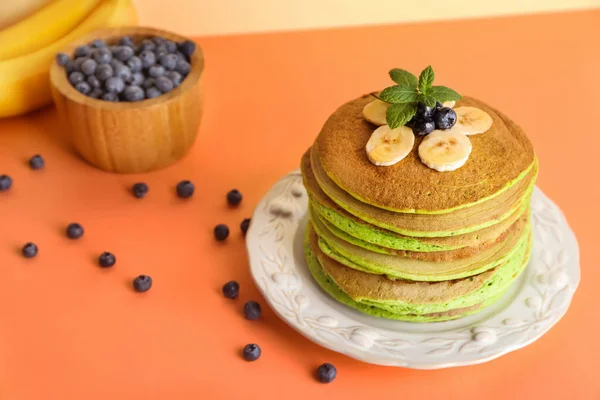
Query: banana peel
[[24, 81]]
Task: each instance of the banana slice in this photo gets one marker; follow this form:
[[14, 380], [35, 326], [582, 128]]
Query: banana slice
[[388, 146], [445, 150], [471, 121], [449, 104], [374, 112]]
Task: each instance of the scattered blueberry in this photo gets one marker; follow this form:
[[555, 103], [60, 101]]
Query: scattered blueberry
[[83, 87], [88, 67], [231, 289], [423, 111], [5, 183], [142, 283], [134, 93], [221, 232], [187, 48], [185, 189], [245, 225], [76, 77], [107, 259], [83, 51], [251, 352], [234, 197], [444, 118], [140, 190], [74, 231], [30, 250], [36, 162], [62, 59], [252, 310], [326, 373], [164, 84], [423, 127]]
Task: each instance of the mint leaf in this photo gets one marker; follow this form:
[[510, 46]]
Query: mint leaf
[[428, 100], [403, 78], [399, 114], [399, 94], [426, 79], [443, 93]]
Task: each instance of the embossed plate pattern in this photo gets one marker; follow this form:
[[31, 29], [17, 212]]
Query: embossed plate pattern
[[533, 304]]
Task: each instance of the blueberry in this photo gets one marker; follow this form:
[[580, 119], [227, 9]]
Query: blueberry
[[122, 71], [169, 61], [140, 190], [438, 105], [158, 40], [326, 373], [76, 77], [234, 197], [70, 66], [185, 189], [107, 259], [88, 67], [148, 83], [83, 87], [30, 250], [94, 82], [96, 93], [221, 232], [79, 61], [62, 59], [183, 67], [231, 289], [124, 53], [423, 127], [126, 41], [171, 46], [97, 43], [110, 97], [83, 51], [74, 231], [180, 56], [148, 58], [135, 64], [175, 77], [245, 225], [251, 352], [187, 47], [104, 71], [423, 111], [142, 283], [5, 183], [36, 162], [156, 70], [152, 92], [134, 93], [114, 49], [146, 44], [164, 84], [137, 79], [444, 118], [161, 51], [252, 310], [114, 63], [114, 85]]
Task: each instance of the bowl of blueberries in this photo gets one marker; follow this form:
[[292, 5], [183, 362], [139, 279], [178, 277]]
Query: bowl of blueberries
[[130, 99]]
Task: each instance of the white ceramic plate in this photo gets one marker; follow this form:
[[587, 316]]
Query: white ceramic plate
[[535, 302]]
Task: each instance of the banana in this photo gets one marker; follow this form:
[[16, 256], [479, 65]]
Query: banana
[[374, 112], [44, 27], [12, 12], [388, 146], [24, 81], [449, 104], [471, 121], [445, 150]]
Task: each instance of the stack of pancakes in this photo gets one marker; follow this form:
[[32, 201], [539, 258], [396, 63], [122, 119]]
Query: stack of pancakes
[[410, 243]]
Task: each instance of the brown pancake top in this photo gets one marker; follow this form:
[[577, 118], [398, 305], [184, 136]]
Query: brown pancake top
[[499, 156]]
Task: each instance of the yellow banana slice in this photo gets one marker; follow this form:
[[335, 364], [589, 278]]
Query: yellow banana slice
[[449, 104], [374, 112], [388, 146], [445, 150], [471, 121]]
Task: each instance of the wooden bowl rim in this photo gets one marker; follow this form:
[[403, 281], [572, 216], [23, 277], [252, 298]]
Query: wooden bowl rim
[[60, 82]]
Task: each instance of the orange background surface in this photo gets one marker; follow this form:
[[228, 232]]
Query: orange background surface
[[71, 330]]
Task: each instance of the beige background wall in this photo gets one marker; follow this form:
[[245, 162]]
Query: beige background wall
[[210, 17]]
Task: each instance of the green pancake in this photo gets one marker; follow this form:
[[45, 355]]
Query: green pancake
[[396, 267], [330, 287]]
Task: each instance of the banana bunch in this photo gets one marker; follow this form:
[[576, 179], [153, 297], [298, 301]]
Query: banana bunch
[[28, 48]]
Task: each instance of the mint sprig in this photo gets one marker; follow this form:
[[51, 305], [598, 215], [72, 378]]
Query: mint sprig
[[409, 91]]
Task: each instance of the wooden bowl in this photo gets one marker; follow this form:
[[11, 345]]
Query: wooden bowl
[[131, 137]]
